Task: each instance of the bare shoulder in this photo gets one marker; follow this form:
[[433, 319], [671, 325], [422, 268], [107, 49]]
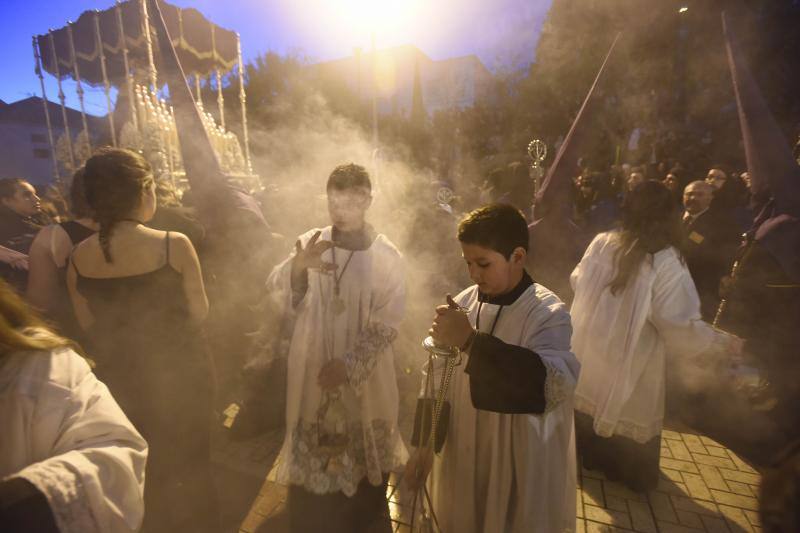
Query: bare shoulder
[[181, 247]]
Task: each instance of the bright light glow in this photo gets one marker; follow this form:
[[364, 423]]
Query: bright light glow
[[684, 9]]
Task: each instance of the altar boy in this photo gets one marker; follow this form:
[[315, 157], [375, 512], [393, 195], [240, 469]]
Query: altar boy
[[508, 460]]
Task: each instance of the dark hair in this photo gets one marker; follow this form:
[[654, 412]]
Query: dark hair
[[114, 179], [78, 205], [499, 227], [9, 187], [650, 223], [349, 176]]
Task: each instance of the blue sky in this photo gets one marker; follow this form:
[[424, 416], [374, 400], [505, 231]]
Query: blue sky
[[500, 32]]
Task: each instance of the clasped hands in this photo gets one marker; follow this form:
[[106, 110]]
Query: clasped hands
[[451, 325]]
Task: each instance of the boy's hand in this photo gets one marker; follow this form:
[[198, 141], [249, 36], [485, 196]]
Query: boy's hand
[[332, 375], [311, 255], [451, 326], [418, 468]]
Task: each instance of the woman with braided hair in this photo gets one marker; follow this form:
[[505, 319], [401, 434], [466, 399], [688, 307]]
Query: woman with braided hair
[[138, 293]]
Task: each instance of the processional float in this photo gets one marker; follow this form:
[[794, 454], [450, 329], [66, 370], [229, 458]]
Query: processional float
[[118, 49]]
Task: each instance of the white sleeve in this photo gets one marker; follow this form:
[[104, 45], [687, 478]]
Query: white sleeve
[[93, 476], [676, 311]]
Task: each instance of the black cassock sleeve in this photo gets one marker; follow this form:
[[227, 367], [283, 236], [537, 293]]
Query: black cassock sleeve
[[505, 378], [24, 509]]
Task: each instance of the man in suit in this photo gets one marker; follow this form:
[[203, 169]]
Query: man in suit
[[711, 242]]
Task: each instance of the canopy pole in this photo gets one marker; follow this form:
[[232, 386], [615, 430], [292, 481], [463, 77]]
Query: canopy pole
[[78, 86], [106, 85], [220, 98], [38, 70], [62, 98], [197, 89], [123, 43], [243, 101], [149, 41]]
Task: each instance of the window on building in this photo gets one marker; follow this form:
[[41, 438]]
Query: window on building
[[41, 153], [38, 138]]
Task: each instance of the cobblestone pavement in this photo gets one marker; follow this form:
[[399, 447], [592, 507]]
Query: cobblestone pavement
[[703, 487]]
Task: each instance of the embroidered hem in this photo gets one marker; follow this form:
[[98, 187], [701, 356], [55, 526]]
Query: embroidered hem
[[641, 433], [369, 452]]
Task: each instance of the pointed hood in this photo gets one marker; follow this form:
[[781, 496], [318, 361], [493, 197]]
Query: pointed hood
[[555, 193], [772, 167], [556, 245], [218, 201], [774, 173]]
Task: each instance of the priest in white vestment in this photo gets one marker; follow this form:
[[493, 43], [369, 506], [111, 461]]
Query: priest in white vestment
[[508, 459], [345, 288]]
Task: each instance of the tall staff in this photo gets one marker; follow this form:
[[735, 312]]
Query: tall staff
[[37, 57], [243, 101]]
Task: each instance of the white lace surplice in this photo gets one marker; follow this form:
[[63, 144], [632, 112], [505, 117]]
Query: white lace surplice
[[512, 473], [373, 291], [621, 341], [63, 432]]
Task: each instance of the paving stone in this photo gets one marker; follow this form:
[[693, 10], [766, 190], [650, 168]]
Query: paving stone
[[618, 489], [712, 477], [694, 443], [717, 451], [742, 477], [642, 517], [714, 525], [580, 526], [674, 475], [579, 503], [616, 503], [672, 435], [597, 527], [662, 507], [666, 527], [721, 462], [677, 464], [679, 450], [737, 521], [607, 516], [690, 519], [708, 441], [740, 488], [697, 486], [740, 464], [593, 492], [753, 518], [594, 474], [665, 452], [735, 500], [695, 506], [672, 487]]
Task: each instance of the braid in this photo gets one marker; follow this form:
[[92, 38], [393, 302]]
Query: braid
[[113, 181], [104, 236]]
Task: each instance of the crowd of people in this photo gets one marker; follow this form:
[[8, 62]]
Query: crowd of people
[[109, 363]]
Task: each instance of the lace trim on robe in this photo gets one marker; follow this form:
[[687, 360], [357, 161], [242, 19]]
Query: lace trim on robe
[[65, 495], [361, 360], [638, 432], [555, 387], [371, 451]]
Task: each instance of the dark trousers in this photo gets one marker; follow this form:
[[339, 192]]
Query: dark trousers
[[367, 511], [621, 459]]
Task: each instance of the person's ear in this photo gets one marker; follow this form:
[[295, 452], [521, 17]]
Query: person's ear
[[519, 255]]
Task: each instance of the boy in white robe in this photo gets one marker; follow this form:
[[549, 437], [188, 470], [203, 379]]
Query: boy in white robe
[[508, 460], [345, 286]]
